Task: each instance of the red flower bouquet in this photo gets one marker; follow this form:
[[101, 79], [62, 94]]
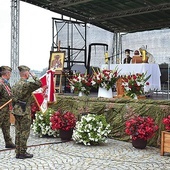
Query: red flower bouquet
[[134, 84], [105, 78], [64, 120], [166, 122], [141, 127], [81, 83]]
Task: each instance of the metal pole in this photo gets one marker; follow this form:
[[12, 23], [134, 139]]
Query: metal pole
[[52, 47], [15, 19], [168, 78]]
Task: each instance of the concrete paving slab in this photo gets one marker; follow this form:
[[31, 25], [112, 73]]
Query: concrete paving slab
[[51, 154]]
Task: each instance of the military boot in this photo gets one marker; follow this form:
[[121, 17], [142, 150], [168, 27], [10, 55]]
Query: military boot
[[10, 145], [24, 155]]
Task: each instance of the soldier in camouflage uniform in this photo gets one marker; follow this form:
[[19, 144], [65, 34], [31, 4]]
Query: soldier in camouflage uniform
[[5, 96], [22, 92]]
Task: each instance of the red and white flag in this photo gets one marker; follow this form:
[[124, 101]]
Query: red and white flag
[[45, 94]]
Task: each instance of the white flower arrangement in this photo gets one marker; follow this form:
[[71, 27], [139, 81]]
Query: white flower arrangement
[[80, 83], [134, 84], [41, 124], [91, 130], [105, 78]]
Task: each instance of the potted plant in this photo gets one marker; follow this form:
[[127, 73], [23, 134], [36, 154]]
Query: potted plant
[[134, 84], [41, 124], [166, 122], [91, 130], [141, 129], [64, 121], [165, 136], [104, 80], [80, 83]]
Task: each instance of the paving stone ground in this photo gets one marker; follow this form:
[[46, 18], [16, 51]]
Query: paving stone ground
[[51, 154]]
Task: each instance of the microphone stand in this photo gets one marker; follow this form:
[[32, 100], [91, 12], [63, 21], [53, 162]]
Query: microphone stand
[[113, 57]]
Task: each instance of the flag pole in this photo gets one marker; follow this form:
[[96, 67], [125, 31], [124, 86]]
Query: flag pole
[[5, 104]]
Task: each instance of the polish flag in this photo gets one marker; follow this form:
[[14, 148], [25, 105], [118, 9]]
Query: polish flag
[[45, 94]]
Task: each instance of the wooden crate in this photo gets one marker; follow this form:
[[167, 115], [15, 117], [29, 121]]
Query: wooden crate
[[165, 142]]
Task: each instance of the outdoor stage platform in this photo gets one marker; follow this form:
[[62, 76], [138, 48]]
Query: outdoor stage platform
[[117, 111]]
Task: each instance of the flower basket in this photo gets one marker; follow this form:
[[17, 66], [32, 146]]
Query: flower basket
[[91, 130]]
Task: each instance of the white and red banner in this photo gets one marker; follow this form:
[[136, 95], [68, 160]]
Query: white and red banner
[[45, 94]]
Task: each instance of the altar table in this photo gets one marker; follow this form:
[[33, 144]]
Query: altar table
[[149, 69]]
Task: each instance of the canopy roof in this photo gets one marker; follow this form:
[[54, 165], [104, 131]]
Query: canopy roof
[[113, 15]]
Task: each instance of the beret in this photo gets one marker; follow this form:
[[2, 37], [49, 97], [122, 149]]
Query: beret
[[23, 68], [5, 68]]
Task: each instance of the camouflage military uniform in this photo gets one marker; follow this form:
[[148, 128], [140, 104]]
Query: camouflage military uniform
[[22, 92], [4, 112]]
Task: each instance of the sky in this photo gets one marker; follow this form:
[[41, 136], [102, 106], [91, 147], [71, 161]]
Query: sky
[[35, 35]]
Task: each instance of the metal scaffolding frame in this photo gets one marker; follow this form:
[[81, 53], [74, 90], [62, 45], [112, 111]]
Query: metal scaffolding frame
[[15, 11], [74, 54], [168, 78], [116, 58]]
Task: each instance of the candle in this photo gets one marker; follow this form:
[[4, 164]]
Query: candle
[[143, 55]]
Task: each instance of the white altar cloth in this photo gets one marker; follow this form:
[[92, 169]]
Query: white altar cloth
[[151, 69]]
